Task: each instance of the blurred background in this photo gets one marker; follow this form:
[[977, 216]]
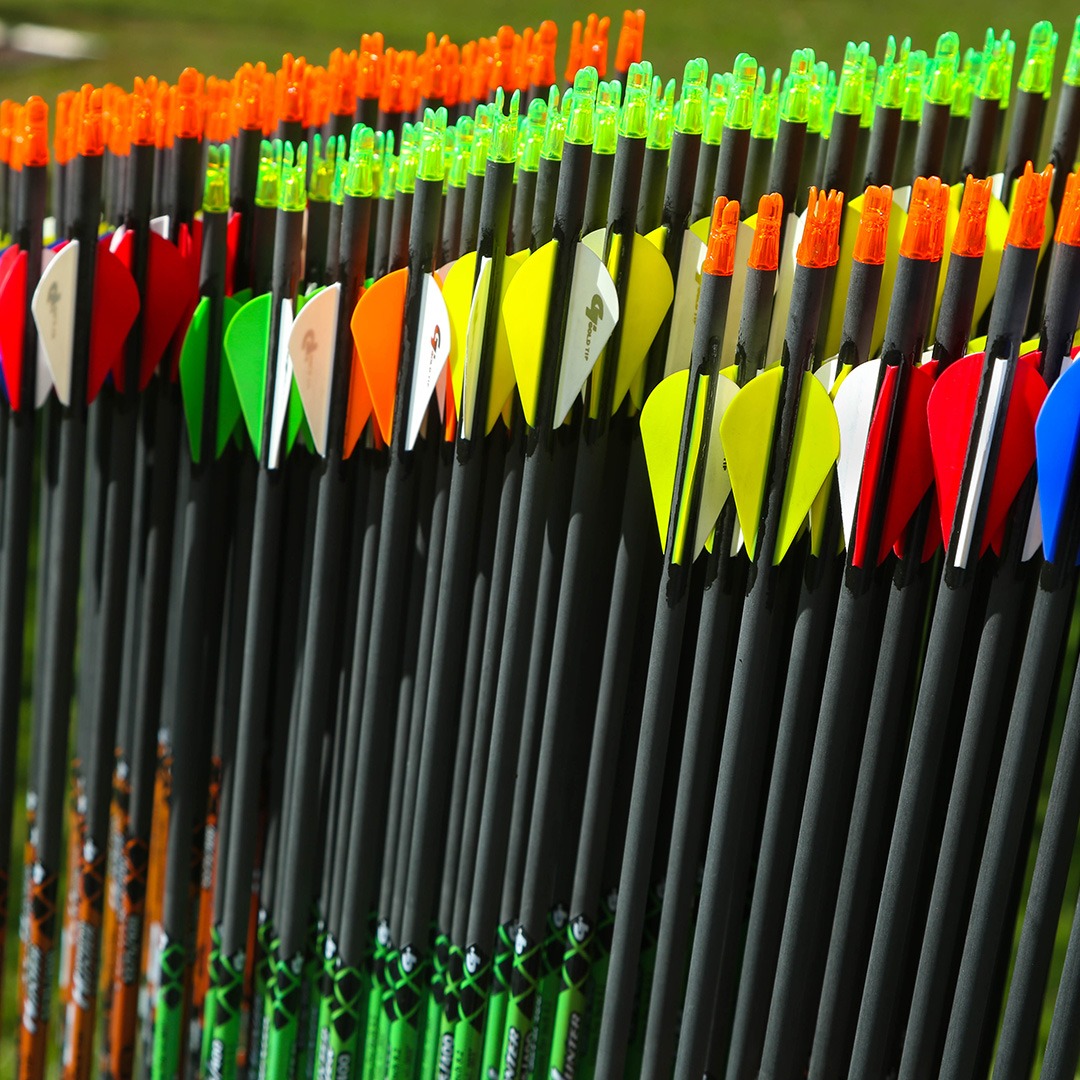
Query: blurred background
[[160, 37], [49, 47]]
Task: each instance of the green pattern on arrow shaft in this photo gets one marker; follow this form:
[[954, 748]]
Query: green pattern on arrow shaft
[[375, 1014], [570, 1036], [551, 978], [407, 974], [498, 1000], [518, 1053], [282, 1025], [210, 1001], [436, 1024], [223, 1045], [260, 992], [169, 1015]]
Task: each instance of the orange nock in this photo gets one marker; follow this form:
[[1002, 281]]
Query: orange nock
[[765, 249], [35, 134], [343, 82], [90, 135], [62, 134], [820, 243], [8, 115], [542, 61], [1027, 222], [370, 67], [628, 50], [1068, 226], [595, 44], [924, 233], [290, 89], [187, 119], [720, 253], [574, 62], [870, 240], [120, 125], [970, 235]]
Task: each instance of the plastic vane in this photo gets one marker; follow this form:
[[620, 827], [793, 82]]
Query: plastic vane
[[1057, 437], [432, 352], [746, 432], [685, 303], [376, 326], [193, 357], [53, 308], [951, 412], [661, 422], [312, 341]]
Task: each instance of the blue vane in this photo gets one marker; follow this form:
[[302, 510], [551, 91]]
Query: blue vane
[[1057, 432]]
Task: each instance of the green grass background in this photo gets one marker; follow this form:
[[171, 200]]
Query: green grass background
[[161, 37]]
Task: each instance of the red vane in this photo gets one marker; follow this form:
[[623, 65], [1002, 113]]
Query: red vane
[[115, 306], [13, 321], [913, 469], [951, 411]]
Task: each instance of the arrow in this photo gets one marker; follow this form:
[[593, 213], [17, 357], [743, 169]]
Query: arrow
[[808, 656], [964, 464], [780, 439], [879, 768], [55, 641], [262, 325], [19, 355], [1055, 446], [644, 293]]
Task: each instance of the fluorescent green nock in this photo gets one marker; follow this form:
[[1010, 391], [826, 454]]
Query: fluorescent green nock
[[606, 133], [431, 163], [582, 108], [794, 105], [504, 131], [995, 67], [964, 87], [690, 109], [554, 127], [662, 119], [634, 118], [941, 69], [767, 109], [716, 109], [323, 166], [740, 108], [815, 101], [388, 165], [531, 135], [868, 93], [1006, 72], [360, 178], [293, 192], [269, 179], [1037, 74], [828, 108], [1072, 61], [481, 139], [458, 166], [216, 188], [849, 91], [408, 159], [889, 88], [913, 85]]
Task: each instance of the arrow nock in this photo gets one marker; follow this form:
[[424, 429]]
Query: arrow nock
[[720, 252]]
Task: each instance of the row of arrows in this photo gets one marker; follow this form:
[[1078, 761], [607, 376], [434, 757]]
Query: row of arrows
[[575, 586]]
